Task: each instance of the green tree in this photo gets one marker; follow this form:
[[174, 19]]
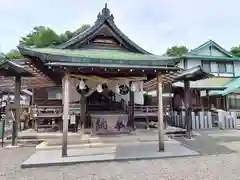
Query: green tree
[[13, 54], [235, 51], [42, 36], [83, 28], [176, 51]]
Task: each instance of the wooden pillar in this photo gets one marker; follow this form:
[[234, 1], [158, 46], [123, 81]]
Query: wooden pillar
[[83, 110], [188, 119], [208, 100], [227, 102], [65, 82], [160, 114], [218, 104], [1, 105], [224, 102], [32, 105], [16, 122], [33, 97], [131, 108]]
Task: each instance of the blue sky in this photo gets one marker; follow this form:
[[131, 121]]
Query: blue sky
[[153, 24]]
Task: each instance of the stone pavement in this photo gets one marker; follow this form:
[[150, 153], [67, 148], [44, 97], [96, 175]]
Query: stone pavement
[[212, 164], [121, 152], [84, 148], [210, 167], [210, 142]]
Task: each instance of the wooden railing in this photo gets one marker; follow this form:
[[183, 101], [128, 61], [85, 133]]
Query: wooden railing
[[148, 109], [137, 108], [56, 111]]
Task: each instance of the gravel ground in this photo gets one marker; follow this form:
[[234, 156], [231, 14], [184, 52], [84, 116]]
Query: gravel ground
[[207, 144], [221, 166]]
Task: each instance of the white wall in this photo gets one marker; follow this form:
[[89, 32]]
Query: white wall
[[138, 95], [181, 64], [193, 62]]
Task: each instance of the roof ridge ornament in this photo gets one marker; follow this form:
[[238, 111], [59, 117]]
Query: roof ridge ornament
[[105, 14]]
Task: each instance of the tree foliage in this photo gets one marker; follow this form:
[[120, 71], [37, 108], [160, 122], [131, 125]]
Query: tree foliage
[[42, 36], [2, 56], [13, 54], [176, 50], [235, 51]]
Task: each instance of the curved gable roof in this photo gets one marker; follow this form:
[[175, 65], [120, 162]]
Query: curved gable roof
[[103, 18], [213, 44]]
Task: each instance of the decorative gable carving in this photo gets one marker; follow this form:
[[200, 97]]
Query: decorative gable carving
[[104, 37], [103, 33]]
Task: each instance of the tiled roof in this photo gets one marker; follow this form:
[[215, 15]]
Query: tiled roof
[[98, 56], [232, 87], [214, 83]]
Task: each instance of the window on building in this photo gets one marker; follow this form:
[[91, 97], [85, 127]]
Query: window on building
[[222, 68], [229, 68], [234, 101], [214, 67], [54, 93], [225, 67], [206, 66], [218, 67]]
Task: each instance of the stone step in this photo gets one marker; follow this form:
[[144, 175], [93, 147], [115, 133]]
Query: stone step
[[31, 134], [87, 139], [46, 146]]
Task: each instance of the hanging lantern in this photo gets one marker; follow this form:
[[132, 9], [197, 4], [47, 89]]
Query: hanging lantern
[[117, 89], [82, 85], [99, 88], [82, 88], [133, 87]]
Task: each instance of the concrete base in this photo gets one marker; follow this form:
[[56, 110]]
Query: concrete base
[[11, 147], [46, 146], [118, 153]]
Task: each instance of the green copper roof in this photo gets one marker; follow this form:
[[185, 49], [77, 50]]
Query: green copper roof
[[9, 68], [207, 44], [194, 54], [232, 87], [101, 56], [201, 57], [214, 83]]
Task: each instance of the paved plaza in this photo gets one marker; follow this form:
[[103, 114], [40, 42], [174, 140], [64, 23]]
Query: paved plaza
[[224, 164], [120, 152]]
